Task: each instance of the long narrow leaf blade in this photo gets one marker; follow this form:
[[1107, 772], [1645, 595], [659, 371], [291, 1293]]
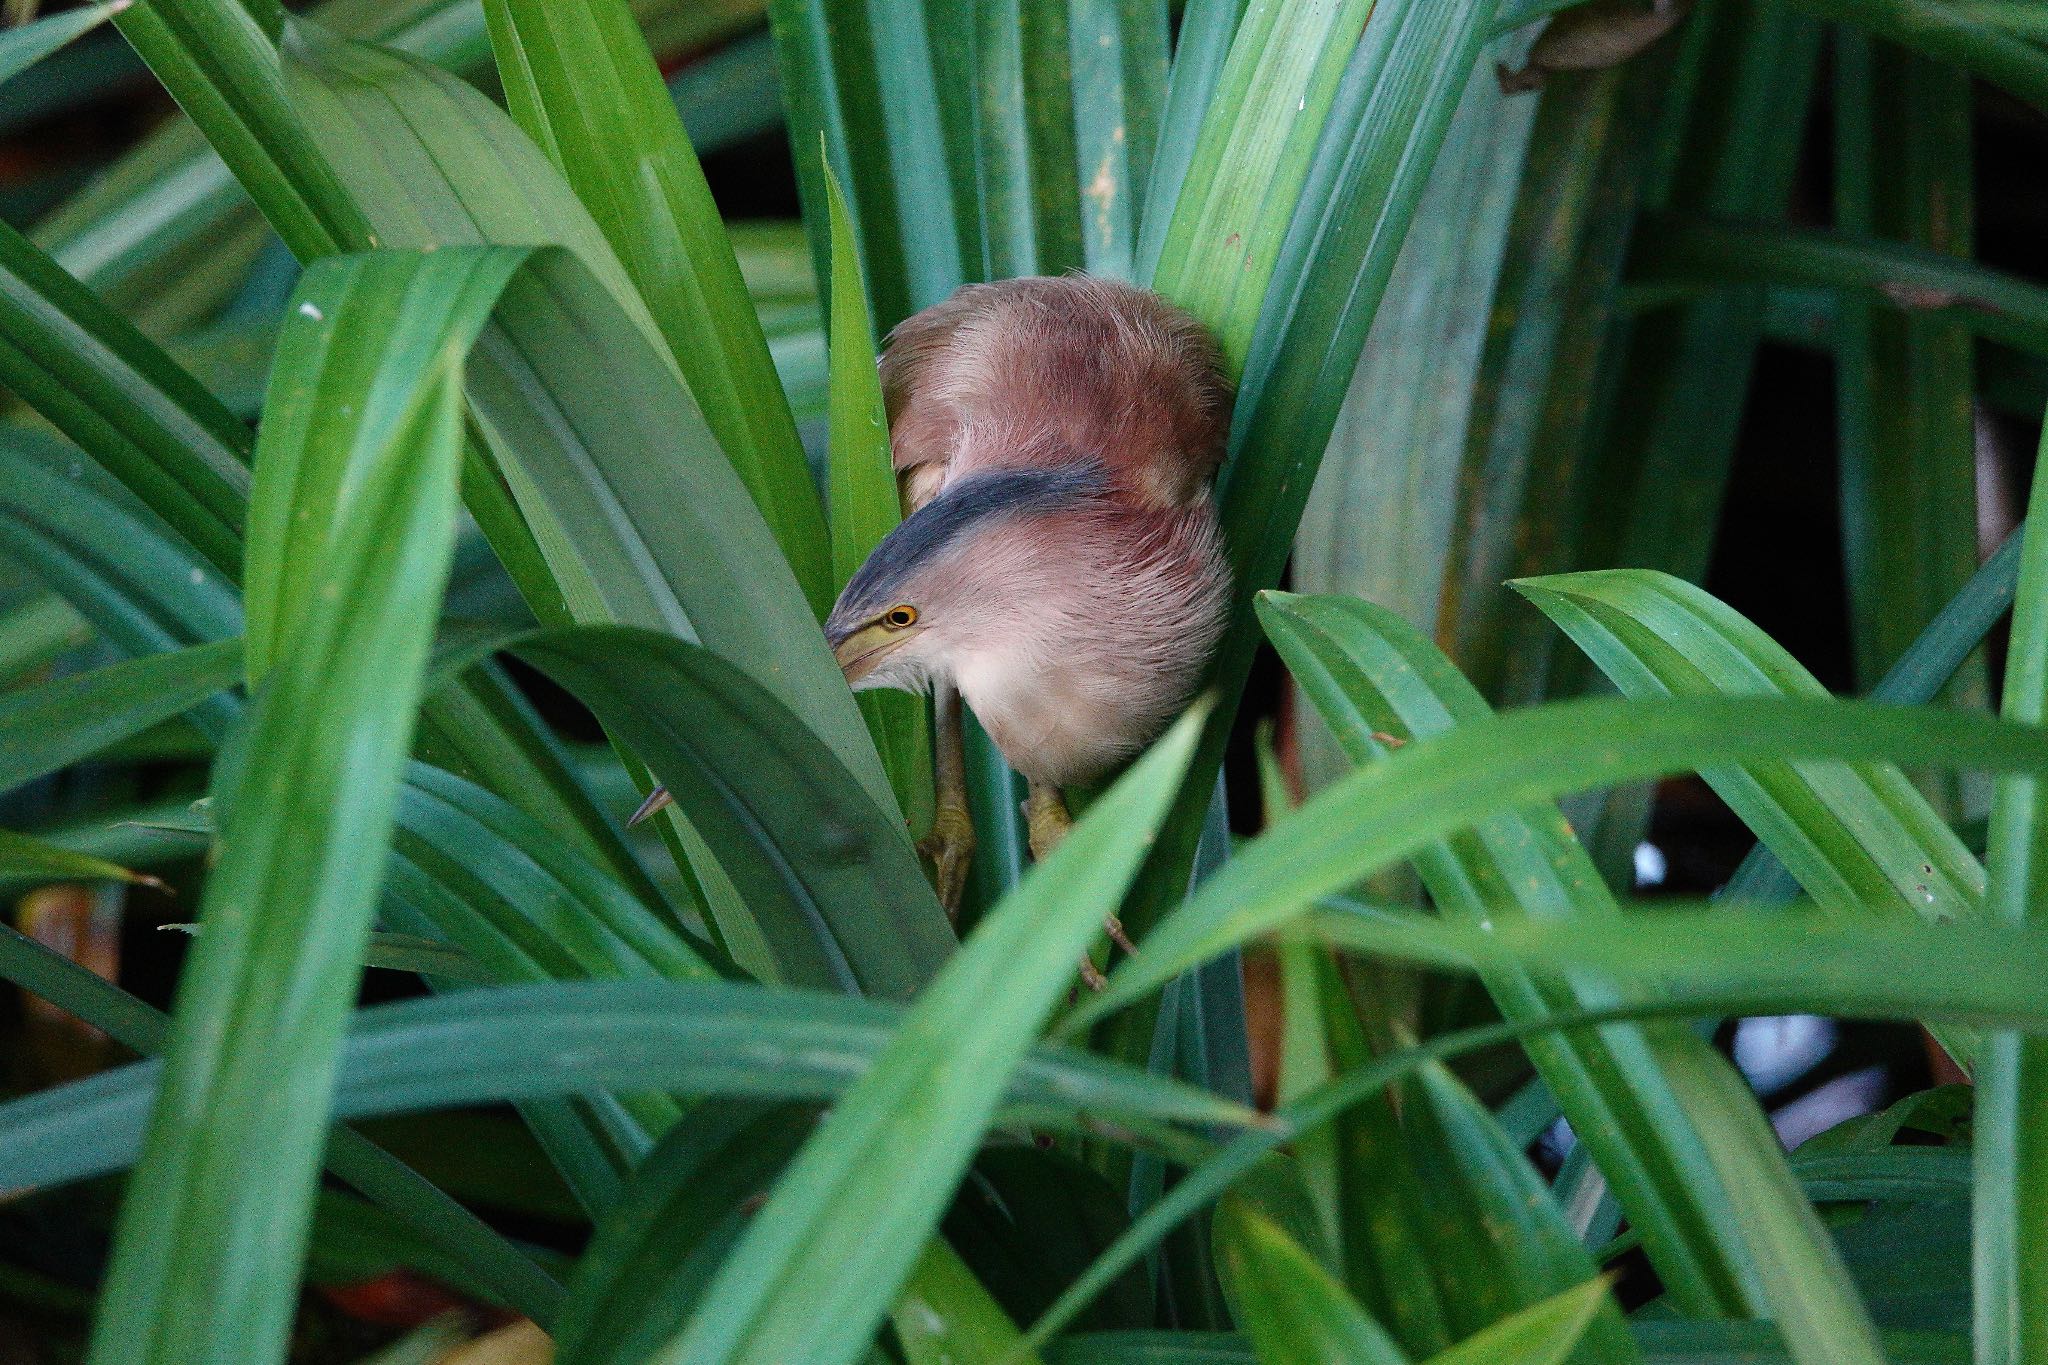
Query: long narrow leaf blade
[[822, 871], [227, 1180], [1390, 809], [2009, 1225], [48, 727], [580, 80], [1543, 1334], [105, 385], [1686, 1149], [876, 1177], [569, 1037], [864, 504], [1859, 838], [1294, 1311]]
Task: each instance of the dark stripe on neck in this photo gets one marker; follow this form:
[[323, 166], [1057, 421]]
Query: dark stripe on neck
[[966, 506]]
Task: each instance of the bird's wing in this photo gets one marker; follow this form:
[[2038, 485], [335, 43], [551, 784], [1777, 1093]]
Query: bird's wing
[[924, 421], [1043, 370]]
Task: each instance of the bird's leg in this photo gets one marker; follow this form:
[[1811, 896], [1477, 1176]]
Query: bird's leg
[[1045, 815], [950, 845]]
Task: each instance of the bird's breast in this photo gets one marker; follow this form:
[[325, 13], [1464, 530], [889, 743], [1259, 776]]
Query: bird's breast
[[1064, 724]]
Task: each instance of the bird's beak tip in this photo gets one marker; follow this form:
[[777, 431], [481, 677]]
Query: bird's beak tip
[[857, 654]]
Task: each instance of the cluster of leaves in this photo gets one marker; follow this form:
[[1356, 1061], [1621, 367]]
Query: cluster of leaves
[[529, 398]]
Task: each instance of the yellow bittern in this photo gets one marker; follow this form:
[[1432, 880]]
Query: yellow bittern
[[1060, 565]]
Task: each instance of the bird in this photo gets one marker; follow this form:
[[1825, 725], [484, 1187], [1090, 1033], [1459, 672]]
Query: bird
[[1060, 567]]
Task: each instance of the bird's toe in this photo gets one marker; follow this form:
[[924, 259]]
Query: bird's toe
[[950, 850]]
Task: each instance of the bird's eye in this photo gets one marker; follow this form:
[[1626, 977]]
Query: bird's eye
[[898, 618]]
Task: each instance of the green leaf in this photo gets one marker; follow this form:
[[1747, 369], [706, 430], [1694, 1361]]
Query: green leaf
[[371, 147], [1538, 388], [149, 594], [1119, 90], [152, 596], [2010, 1233], [226, 1182], [516, 897], [1396, 458], [1292, 1308], [1495, 1235], [1410, 935], [946, 1315], [84, 537], [581, 82], [870, 85], [1027, 1220], [1305, 1061], [1658, 1109], [1393, 808], [825, 876], [23, 45], [1387, 1261], [55, 724], [36, 631], [179, 453], [575, 1037], [1901, 1173], [883, 1164], [1949, 33], [1904, 381], [1251, 162], [653, 1255], [384, 360], [1657, 441], [1201, 50], [1663, 1343], [1920, 673], [611, 466], [390, 1183], [1371, 166], [225, 73], [170, 201], [1859, 839], [861, 483], [521, 905], [21, 856], [1760, 962], [1684, 254], [1758, 1343], [1673, 399], [403, 953], [1024, 109], [727, 96], [106, 386], [1543, 1334], [893, 937]]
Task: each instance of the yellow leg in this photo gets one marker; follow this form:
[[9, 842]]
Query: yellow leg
[[1045, 815], [950, 845]]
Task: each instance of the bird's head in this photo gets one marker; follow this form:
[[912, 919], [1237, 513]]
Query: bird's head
[[950, 576]]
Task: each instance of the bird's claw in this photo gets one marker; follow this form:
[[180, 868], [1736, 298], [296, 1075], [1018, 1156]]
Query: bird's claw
[[1114, 927], [950, 849], [1046, 819]]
